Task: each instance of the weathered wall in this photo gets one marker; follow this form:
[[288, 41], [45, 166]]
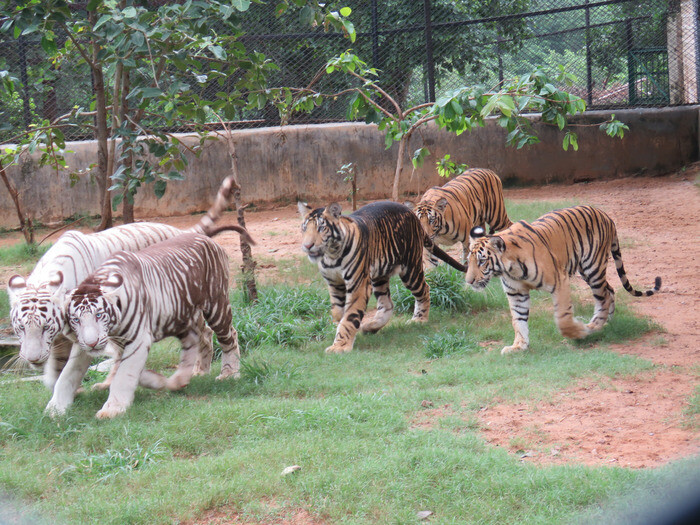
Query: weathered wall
[[301, 162]]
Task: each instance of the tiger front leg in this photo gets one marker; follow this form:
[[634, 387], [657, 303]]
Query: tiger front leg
[[338, 294], [519, 302], [126, 379], [385, 308], [221, 321], [356, 304], [68, 382]]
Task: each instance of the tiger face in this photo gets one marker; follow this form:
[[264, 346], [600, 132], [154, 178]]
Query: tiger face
[[37, 316], [484, 260], [92, 314], [321, 234], [431, 216]]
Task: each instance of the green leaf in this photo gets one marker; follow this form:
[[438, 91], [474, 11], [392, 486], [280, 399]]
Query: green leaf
[[93, 4], [241, 5], [306, 15], [159, 188], [419, 156], [129, 12], [48, 44], [151, 92], [345, 11]]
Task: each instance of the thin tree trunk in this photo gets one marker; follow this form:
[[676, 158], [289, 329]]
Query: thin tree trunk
[[248, 266], [399, 169], [26, 225], [127, 203], [101, 133]]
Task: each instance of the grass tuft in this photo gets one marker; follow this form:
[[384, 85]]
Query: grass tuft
[[444, 344]]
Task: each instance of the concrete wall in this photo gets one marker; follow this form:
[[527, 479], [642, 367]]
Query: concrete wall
[[300, 162]]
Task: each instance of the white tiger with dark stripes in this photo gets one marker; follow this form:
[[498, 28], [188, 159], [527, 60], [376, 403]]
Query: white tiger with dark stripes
[[135, 299], [449, 212], [544, 255], [37, 302], [365, 249]]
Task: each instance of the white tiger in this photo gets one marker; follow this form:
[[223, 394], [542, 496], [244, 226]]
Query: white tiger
[[138, 298], [37, 302]]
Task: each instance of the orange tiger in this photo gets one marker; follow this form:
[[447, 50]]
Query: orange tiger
[[544, 255], [449, 212]]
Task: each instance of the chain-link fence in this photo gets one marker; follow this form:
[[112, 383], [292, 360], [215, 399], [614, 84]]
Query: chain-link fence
[[624, 53]]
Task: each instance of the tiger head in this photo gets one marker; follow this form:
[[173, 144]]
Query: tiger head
[[430, 215], [94, 308], [484, 260], [320, 229], [37, 315]]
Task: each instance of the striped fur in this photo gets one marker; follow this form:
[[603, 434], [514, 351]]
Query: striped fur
[[135, 299], [37, 308], [449, 212], [362, 250], [544, 255]]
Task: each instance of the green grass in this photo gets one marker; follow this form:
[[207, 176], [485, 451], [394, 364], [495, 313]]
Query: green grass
[[22, 253], [529, 211], [345, 419]]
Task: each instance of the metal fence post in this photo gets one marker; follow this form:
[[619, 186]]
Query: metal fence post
[[430, 63], [589, 75], [375, 35]]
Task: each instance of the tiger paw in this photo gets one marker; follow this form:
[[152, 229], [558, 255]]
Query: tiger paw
[[513, 349], [419, 319], [100, 386], [226, 375], [337, 349], [54, 410], [109, 412]]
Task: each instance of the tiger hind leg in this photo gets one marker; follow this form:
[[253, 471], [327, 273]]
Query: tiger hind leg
[[221, 322], [564, 312], [385, 308], [519, 302], [190, 354], [604, 297], [202, 365], [414, 280]]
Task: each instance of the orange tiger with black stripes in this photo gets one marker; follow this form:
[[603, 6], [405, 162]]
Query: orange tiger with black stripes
[[544, 255], [449, 212]]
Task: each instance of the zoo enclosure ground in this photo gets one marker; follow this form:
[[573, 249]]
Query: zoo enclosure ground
[[632, 422]]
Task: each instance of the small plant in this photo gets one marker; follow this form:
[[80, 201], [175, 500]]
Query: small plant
[[258, 371], [114, 462], [443, 344], [347, 171], [447, 292]]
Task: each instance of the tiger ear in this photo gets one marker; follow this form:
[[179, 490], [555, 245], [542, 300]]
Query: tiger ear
[[55, 282], [334, 209], [476, 233], [409, 205], [441, 204], [498, 243], [113, 282], [15, 285], [304, 209]]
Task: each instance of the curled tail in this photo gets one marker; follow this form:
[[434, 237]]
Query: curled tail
[[434, 249], [242, 231], [617, 256], [221, 202]]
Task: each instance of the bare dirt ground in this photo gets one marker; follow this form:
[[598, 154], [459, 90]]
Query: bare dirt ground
[[637, 422]]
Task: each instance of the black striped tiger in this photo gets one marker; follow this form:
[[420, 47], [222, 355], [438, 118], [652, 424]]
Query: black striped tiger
[[37, 302], [135, 299], [544, 255], [366, 248], [449, 212]]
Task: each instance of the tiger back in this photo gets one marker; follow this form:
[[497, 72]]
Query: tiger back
[[365, 249], [449, 212], [544, 255]]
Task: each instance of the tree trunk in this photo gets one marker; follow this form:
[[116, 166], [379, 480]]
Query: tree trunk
[[101, 133], [127, 203], [399, 169], [248, 267], [25, 225]]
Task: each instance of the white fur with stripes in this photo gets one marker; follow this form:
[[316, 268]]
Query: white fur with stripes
[[136, 299], [37, 302]]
